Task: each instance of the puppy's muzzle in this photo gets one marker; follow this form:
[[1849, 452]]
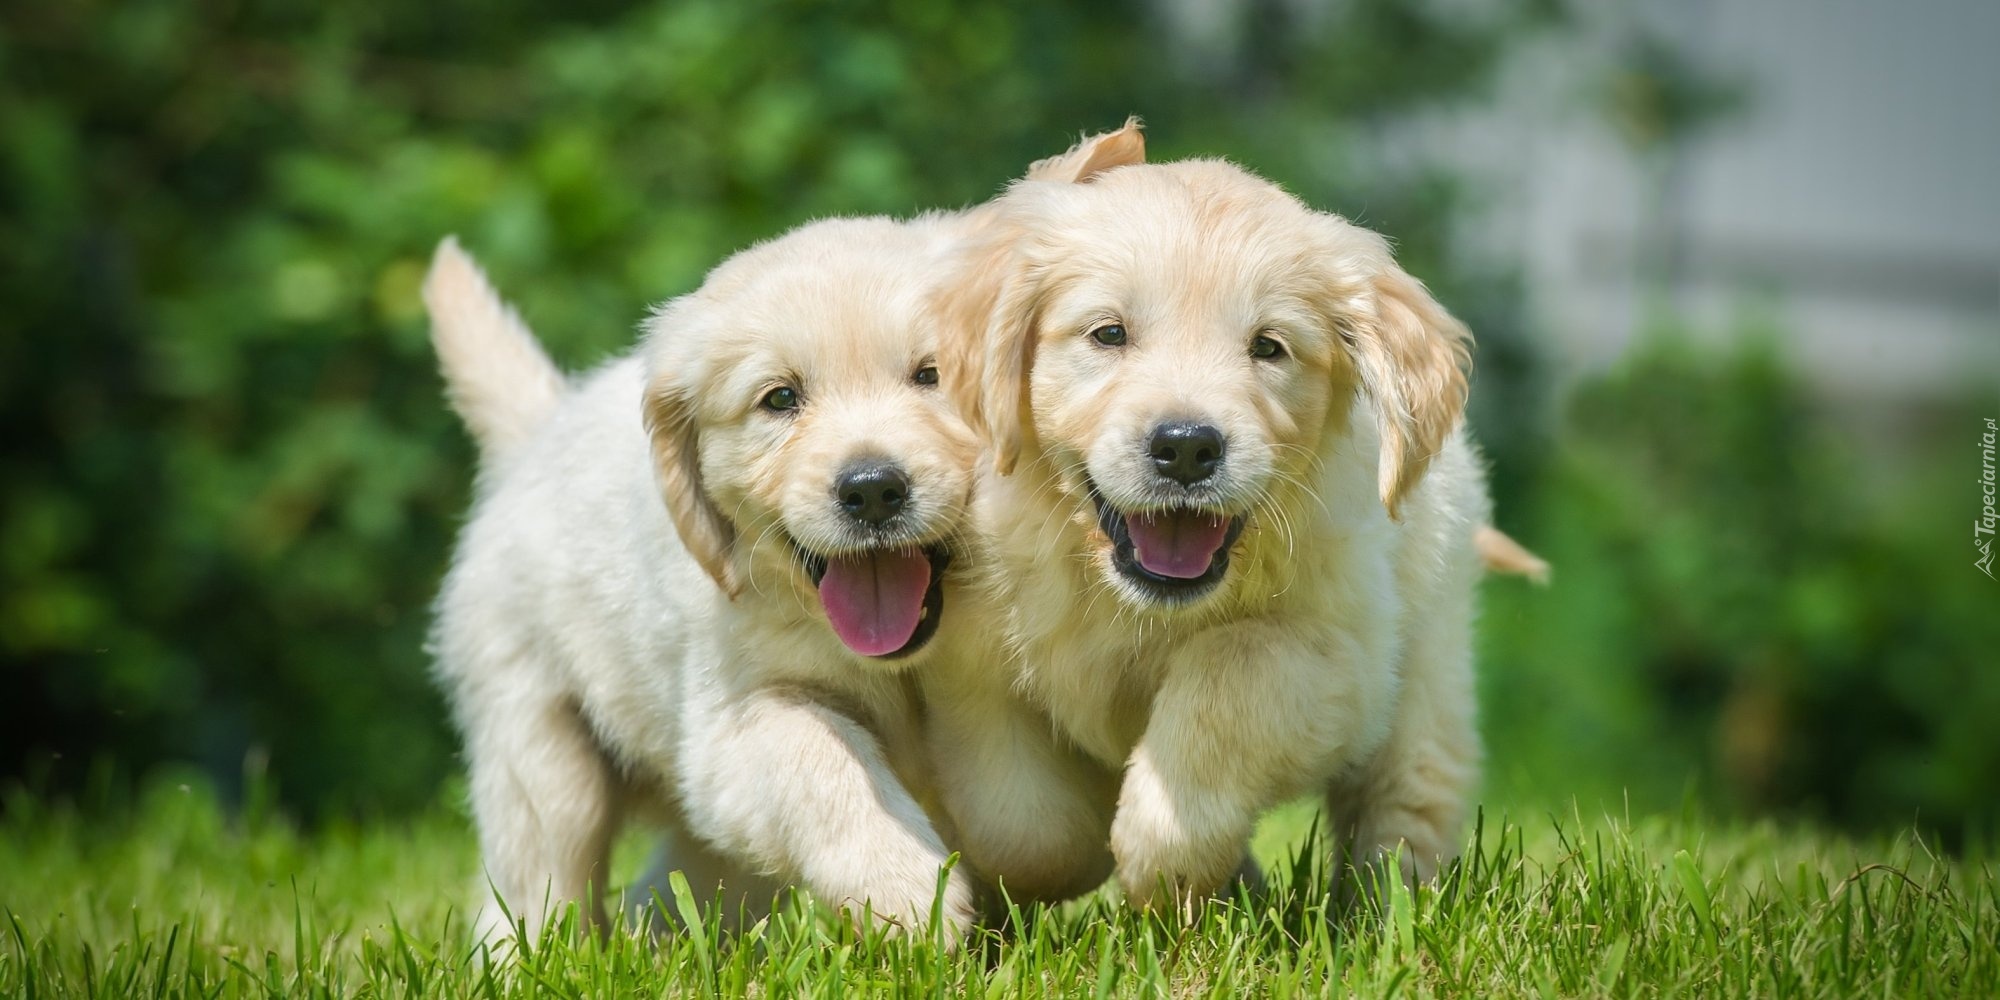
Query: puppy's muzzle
[[882, 587], [1173, 543]]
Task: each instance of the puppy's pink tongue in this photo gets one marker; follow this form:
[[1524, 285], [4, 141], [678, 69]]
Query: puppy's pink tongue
[[1179, 544], [875, 599]]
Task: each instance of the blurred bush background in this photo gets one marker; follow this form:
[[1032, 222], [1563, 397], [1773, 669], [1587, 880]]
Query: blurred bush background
[[230, 483]]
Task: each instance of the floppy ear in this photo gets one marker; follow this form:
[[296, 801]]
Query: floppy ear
[[1009, 355], [1093, 156], [988, 348], [1413, 357], [709, 536]]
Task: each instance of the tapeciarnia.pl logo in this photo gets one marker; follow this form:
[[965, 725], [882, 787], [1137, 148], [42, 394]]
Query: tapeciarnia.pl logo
[[1982, 529]]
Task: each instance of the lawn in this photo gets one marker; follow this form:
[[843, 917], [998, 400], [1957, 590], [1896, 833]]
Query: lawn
[[168, 895]]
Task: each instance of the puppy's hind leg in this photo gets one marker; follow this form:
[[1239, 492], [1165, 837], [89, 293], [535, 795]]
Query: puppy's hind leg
[[1414, 794], [547, 804]]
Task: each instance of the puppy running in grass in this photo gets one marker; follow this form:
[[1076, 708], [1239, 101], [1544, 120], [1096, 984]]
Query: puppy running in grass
[[697, 582], [693, 578], [1230, 518]]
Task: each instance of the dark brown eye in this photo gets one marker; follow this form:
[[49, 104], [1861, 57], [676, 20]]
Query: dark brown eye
[[1110, 335], [927, 375], [783, 399], [1266, 348]]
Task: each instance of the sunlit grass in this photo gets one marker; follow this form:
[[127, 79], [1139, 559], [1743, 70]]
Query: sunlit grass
[[171, 897]]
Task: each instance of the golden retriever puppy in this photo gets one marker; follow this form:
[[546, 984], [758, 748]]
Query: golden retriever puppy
[[697, 582], [1229, 520], [694, 579]]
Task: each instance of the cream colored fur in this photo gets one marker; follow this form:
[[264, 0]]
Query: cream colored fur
[[599, 671], [1334, 658]]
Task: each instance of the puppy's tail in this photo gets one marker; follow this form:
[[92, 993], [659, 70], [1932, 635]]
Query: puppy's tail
[[496, 376], [1502, 554]]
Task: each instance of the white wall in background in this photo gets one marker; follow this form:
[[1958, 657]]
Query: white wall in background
[[1856, 200]]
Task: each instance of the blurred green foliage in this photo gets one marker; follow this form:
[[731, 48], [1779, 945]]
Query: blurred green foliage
[[230, 483], [1753, 601]]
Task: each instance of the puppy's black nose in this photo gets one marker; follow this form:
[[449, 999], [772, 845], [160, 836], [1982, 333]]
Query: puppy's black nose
[[1186, 452], [872, 491]]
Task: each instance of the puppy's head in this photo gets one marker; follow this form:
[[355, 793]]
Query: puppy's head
[[799, 434], [1180, 345]]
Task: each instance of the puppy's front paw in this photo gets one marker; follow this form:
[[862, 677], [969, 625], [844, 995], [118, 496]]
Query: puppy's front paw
[[958, 910], [907, 908], [1170, 847]]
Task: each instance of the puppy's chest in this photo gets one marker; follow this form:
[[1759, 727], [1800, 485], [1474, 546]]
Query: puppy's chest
[[1097, 684]]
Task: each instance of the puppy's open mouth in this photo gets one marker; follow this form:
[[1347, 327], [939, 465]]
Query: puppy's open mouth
[[1175, 554], [882, 602]]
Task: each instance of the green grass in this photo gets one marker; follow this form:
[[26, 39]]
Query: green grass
[[168, 896]]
